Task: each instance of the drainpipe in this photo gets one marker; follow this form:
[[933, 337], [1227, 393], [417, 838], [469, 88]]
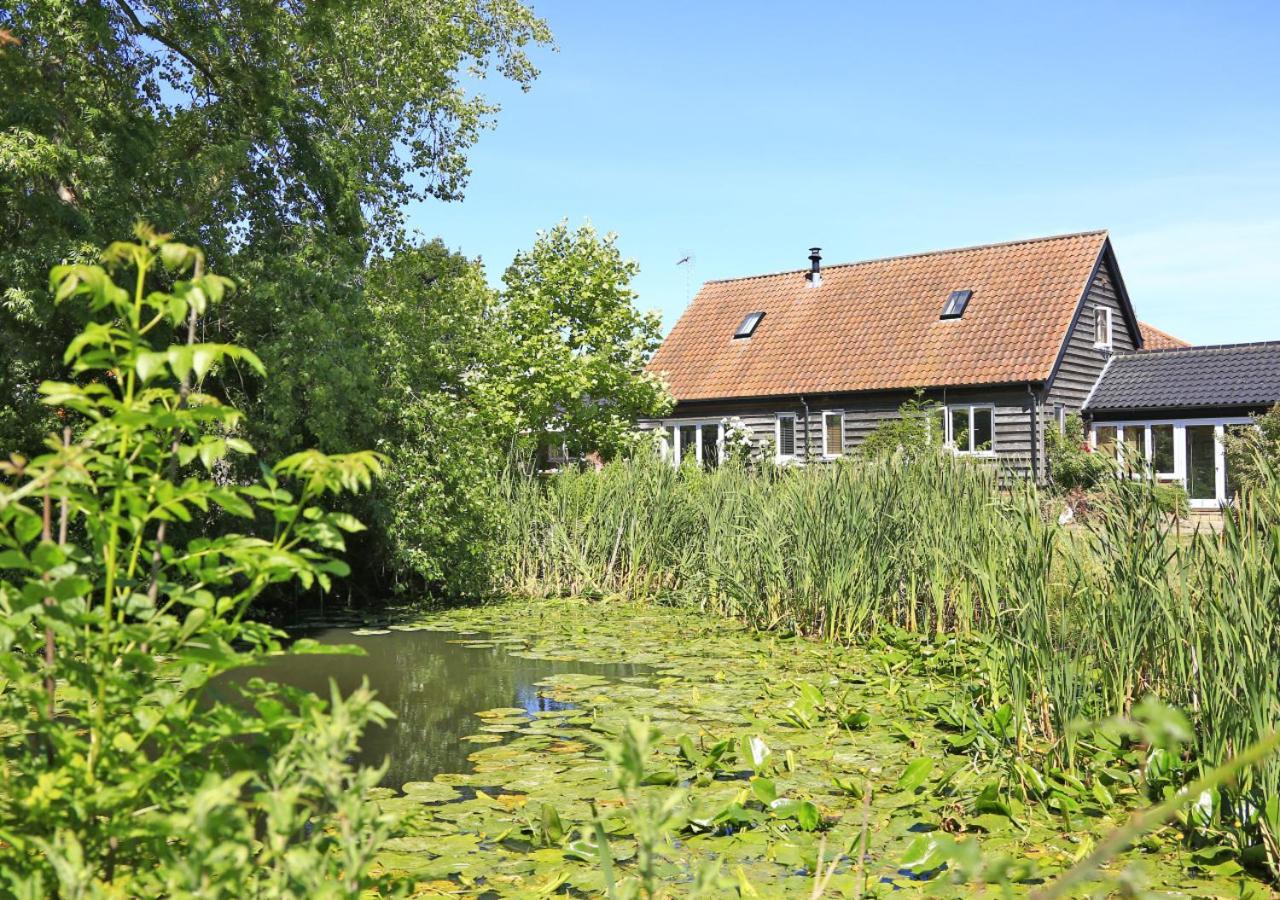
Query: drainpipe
[[805, 404], [1035, 434]]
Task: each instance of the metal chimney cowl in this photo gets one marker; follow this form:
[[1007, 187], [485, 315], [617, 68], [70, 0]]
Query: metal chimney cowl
[[815, 267]]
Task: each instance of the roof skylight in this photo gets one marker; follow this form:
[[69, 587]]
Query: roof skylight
[[955, 305], [748, 326]]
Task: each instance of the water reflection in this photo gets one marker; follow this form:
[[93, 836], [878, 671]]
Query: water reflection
[[434, 687]]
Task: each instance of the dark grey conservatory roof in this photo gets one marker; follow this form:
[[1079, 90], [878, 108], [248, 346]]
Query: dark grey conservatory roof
[[1186, 377]]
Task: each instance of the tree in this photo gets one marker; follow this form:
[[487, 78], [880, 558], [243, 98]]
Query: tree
[[271, 133], [575, 346], [1252, 451], [434, 514]]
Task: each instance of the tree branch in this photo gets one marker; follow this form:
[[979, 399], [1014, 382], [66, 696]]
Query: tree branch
[[157, 35]]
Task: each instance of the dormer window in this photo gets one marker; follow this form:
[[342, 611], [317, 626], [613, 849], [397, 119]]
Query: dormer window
[[1102, 327], [748, 326], [956, 302]]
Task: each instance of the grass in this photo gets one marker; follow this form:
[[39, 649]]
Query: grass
[[1079, 626]]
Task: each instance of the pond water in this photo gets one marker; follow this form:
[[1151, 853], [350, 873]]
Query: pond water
[[435, 684]]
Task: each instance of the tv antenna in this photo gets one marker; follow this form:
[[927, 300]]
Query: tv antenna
[[687, 260]]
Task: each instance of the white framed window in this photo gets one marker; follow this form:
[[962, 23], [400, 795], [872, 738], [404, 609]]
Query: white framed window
[[971, 428], [1102, 327], [784, 433], [833, 433], [700, 440], [1189, 451]]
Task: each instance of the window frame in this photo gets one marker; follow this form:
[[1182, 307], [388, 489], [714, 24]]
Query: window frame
[[826, 451], [949, 433], [1102, 313], [678, 456], [778, 455], [955, 305], [1180, 463], [747, 327]]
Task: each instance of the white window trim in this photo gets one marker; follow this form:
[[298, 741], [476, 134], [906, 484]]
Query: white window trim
[[778, 455], [826, 452], [1179, 474], [697, 424], [1105, 313], [949, 436]]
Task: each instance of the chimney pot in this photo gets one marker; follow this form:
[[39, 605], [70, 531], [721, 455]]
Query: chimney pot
[[815, 266]]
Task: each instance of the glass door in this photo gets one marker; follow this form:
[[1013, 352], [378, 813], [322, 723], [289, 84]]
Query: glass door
[[686, 443], [1202, 463], [710, 446]]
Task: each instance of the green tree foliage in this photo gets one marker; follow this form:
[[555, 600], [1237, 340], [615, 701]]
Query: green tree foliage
[[464, 378], [269, 132], [575, 345], [123, 771], [434, 334]]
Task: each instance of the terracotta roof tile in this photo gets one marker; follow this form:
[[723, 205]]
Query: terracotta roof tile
[[1155, 339], [875, 325]]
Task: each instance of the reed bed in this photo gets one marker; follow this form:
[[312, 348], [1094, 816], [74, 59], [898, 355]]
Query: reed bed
[[835, 551], [1081, 623]]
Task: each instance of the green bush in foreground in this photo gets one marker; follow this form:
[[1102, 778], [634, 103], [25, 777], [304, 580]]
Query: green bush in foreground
[[122, 772]]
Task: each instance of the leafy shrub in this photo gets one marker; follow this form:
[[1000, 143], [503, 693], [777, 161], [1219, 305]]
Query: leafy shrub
[[1249, 449], [739, 444], [1072, 464], [915, 432], [121, 772]]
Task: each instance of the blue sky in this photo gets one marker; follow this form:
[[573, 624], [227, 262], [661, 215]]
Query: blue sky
[[743, 133]]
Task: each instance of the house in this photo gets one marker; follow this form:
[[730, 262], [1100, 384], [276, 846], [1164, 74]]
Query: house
[[1171, 408], [1008, 339]]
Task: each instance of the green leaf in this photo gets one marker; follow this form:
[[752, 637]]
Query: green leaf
[[149, 364], [756, 752], [764, 789], [926, 853], [856, 720], [552, 827], [804, 812], [915, 775]]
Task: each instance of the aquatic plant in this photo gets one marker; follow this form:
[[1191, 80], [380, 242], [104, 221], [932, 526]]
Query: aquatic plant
[[1074, 624]]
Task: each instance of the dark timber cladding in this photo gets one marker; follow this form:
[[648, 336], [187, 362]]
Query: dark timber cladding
[[863, 413], [1081, 362]]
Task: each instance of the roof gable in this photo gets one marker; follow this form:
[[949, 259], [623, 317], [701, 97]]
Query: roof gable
[[1154, 338], [876, 325]]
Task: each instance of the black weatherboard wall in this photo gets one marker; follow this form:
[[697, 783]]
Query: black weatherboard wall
[[1081, 362], [864, 412]]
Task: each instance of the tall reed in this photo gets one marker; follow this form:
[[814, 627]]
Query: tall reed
[[835, 551]]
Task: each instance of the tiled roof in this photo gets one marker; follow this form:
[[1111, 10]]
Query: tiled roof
[[1246, 375], [875, 325], [1155, 339]]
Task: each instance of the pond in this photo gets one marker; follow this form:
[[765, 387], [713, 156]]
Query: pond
[[435, 682], [776, 752]]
